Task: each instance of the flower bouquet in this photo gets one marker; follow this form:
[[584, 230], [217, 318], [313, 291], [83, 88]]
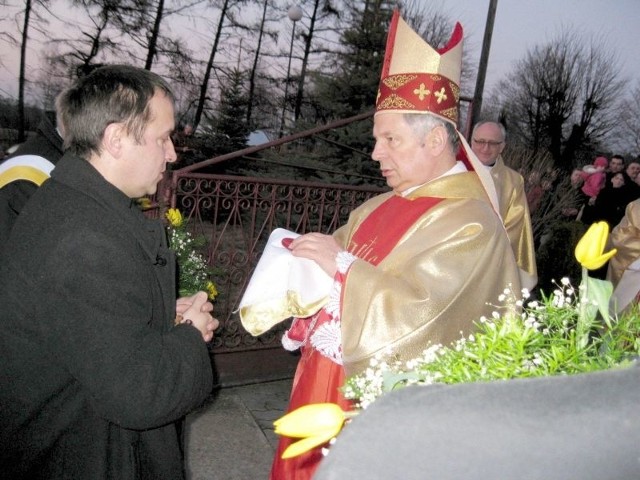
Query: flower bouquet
[[193, 271], [564, 333]]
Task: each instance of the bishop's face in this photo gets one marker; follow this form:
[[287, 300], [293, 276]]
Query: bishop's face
[[400, 151]]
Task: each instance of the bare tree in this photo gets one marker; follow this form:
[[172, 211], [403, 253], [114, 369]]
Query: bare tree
[[561, 98], [630, 121], [143, 22], [247, 28], [225, 13], [29, 15], [328, 11], [204, 86], [23, 60], [88, 42], [256, 58]]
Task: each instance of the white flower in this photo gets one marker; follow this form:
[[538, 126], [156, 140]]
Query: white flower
[[537, 359]]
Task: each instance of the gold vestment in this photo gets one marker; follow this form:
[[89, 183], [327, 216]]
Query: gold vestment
[[623, 269], [514, 211], [436, 282]]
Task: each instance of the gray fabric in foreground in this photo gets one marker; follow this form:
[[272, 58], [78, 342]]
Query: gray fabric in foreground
[[580, 427]]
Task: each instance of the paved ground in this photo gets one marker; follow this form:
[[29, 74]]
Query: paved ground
[[231, 437]]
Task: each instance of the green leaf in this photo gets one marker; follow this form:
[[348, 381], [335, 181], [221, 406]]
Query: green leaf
[[600, 292]]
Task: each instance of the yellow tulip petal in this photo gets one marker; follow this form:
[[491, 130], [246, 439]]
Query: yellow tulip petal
[[306, 444], [309, 420], [596, 263], [589, 250], [586, 247], [601, 235]]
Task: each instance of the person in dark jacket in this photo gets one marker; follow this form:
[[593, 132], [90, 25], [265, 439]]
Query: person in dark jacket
[[611, 201], [98, 360], [41, 151]]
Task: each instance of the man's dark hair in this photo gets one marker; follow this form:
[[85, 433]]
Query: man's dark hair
[[109, 94]]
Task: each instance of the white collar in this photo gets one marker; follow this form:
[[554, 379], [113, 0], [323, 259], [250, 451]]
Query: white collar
[[459, 167]]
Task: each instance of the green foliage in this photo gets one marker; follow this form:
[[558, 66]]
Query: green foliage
[[549, 337], [194, 273], [359, 62], [352, 91], [230, 129]]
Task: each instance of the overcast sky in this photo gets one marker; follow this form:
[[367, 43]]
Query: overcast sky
[[522, 24], [519, 26]]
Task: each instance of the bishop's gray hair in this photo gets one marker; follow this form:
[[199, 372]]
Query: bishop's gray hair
[[423, 123]]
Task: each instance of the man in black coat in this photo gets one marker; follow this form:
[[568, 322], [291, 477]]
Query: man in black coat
[[94, 372], [47, 148]]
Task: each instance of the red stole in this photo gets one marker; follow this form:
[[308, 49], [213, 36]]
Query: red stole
[[317, 378], [381, 231]]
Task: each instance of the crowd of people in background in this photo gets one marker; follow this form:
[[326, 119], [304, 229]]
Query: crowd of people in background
[[603, 190], [563, 206]]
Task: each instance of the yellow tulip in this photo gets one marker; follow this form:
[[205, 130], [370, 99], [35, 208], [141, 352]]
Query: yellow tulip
[[590, 248], [315, 424], [145, 203], [212, 291], [174, 216]]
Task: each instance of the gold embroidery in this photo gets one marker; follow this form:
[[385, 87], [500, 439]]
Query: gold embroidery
[[422, 91], [364, 251], [394, 101], [440, 95], [455, 90], [451, 113], [396, 81]]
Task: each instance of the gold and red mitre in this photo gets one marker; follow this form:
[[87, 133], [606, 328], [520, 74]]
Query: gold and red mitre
[[415, 77]]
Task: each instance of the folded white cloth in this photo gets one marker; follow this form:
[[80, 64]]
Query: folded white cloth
[[282, 286]]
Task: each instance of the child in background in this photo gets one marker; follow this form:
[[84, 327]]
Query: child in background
[[594, 178]]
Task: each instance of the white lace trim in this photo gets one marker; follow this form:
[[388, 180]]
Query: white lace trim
[[327, 339], [289, 344], [344, 260], [333, 303]]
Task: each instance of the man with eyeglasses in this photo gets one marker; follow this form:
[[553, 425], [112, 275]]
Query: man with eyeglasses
[[488, 142]]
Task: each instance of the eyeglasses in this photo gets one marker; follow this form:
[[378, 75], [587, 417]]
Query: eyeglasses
[[491, 143]]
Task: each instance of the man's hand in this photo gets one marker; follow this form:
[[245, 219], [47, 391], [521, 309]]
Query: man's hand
[[320, 248], [196, 310]]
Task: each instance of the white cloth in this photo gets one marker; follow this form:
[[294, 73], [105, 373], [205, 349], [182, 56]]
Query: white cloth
[[282, 286]]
